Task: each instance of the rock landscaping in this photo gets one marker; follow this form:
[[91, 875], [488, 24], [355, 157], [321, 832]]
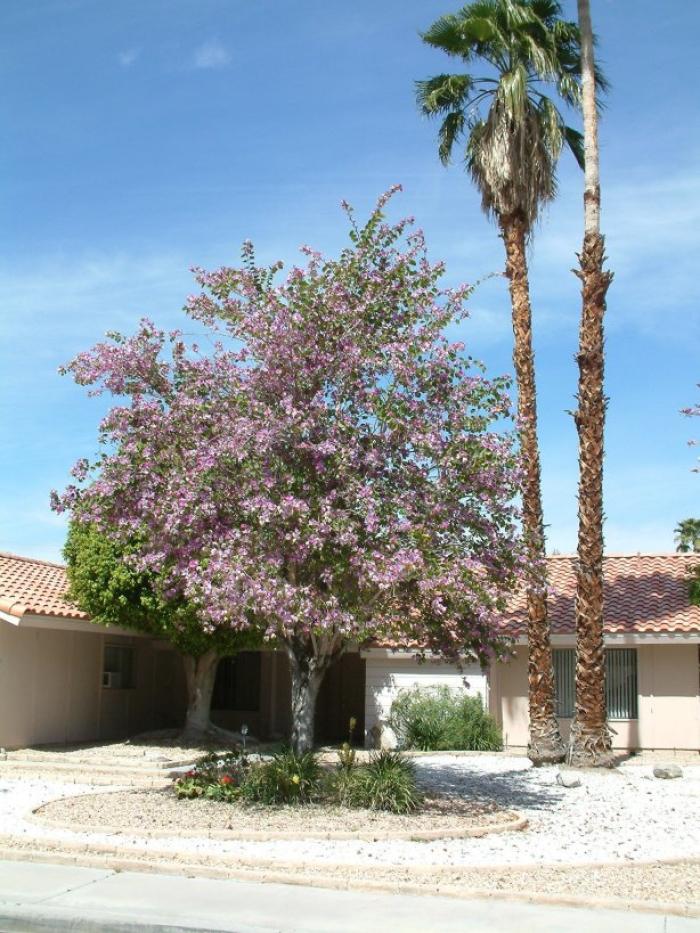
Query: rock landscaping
[[620, 834]]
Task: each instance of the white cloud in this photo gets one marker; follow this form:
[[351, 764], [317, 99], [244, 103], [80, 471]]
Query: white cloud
[[127, 58], [210, 55]]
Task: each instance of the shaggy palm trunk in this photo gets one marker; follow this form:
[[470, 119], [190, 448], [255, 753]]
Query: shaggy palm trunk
[[546, 745], [590, 744], [200, 675], [307, 666]]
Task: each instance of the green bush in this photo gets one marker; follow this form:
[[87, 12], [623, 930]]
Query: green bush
[[286, 778], [440, 719], [387, 782]]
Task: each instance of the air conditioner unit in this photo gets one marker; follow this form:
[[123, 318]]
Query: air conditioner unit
[[112, 679]]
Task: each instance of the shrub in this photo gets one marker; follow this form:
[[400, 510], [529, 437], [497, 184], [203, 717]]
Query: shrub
[[286, 778], [387, 782], [216, 777], [438, 719]]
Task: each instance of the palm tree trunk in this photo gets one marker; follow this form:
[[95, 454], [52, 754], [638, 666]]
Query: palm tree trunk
[[590, 742], [545, 745]]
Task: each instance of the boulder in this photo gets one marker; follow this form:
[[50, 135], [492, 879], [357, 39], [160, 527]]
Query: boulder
[[667, 772], [568, 779]]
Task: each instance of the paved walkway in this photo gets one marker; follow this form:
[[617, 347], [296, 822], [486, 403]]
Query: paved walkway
[[44, 897]]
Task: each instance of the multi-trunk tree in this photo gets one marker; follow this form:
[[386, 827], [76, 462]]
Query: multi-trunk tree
[[514, 134], [332, 470]]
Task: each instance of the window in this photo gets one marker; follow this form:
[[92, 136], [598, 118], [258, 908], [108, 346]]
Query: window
[[237, 685], [118, 667], [620, 682]]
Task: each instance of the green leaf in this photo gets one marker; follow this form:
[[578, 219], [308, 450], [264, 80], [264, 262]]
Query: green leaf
[[574, 141]]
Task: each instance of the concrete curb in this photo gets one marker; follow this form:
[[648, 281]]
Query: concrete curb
[[516, 824], [292, 873]]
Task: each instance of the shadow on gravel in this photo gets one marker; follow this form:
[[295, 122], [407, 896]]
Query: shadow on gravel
[[507, 788]]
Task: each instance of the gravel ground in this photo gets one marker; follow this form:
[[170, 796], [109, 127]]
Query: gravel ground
[[624, 817], [159, 810]]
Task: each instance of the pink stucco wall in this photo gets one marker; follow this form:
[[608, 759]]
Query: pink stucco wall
[[669, 700]]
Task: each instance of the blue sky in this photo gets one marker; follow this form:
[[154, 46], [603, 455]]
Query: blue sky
[[141, 138]]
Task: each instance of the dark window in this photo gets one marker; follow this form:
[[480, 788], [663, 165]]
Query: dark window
[[118, 667], [237, 685], [620, 682]]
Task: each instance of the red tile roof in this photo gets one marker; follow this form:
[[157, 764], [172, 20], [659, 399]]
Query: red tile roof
[[34, 587], [643, 594]]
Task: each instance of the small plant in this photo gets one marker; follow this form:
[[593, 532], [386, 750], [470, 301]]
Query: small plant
[[346, 755], [387, 782], [437, 719], [286, 778], [215, 777]]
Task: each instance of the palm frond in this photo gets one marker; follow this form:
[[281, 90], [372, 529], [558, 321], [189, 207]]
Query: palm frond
[[443, 93], [446, 34], [451, 129], [574, 140], [552, 127], [512, 91]]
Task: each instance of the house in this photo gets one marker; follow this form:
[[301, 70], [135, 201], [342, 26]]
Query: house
[[65, 679]]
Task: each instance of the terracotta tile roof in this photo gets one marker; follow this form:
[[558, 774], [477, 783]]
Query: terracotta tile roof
[[34, 587], [643, 594]]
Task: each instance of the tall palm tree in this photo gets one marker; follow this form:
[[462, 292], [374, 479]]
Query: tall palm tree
[[513, 135], [590, 742]]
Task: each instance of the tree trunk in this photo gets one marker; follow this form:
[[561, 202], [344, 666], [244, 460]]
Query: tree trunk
[[200, 674], [590, 742], [307, 668], [546, 744]]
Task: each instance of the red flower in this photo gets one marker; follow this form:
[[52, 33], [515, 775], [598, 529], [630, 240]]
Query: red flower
[[226, 779], [190, 774]]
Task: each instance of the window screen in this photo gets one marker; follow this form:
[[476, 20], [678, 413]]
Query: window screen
[[620, 682]]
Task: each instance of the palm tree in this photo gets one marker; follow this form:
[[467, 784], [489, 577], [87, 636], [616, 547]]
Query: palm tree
[[590, 743], [687, 534], [513, 135]]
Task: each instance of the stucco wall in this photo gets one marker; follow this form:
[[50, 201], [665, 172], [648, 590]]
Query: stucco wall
[[669, 700], [51, 688], [386, 675]]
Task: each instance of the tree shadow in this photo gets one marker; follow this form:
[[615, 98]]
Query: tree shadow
[[514, 788]]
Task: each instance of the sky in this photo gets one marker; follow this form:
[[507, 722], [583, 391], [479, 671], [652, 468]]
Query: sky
[[143, 138]]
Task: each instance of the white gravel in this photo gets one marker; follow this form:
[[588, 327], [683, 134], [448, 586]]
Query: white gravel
[[621, 816]]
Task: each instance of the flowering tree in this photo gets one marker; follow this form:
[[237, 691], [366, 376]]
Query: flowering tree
[[331, 471]]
